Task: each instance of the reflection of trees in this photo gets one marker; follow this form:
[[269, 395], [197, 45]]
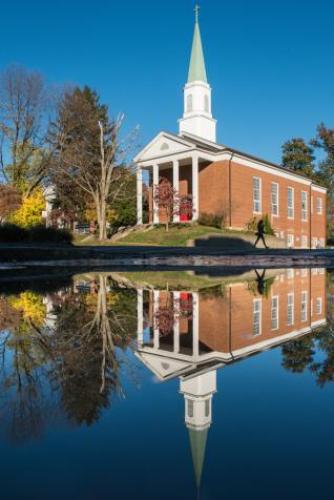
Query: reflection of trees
[[24, 355], [89, 330], [298, 354], [79, 357]]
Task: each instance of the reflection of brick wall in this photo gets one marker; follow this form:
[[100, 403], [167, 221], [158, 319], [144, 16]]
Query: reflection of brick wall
[[226, 324]]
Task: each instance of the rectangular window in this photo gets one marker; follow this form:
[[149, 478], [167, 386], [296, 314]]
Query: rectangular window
[[291, 204], [319, 206], [304, 205], [303, 307], [274, 198], [318, 306], [291, 309], [304, 241], [257, 317], [290, 240], [257, 195], [274, 313]]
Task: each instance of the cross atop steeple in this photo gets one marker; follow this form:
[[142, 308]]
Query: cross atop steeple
[[197, 8]]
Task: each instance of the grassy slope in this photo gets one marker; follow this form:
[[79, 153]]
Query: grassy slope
[[176, 236]]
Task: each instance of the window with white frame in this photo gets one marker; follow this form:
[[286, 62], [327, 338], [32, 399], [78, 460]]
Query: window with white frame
[[257, 317], [303, 307], [304, 205], [274, 198], [318, 306], [257, 195], [274, 313], [291, 204], [319, 206], [304, 241], [290, 240], [291, 309]]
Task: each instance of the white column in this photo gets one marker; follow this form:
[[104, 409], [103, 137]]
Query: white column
[[140, 318], [156, 307], [195, 325], [139, 195], [176, 184], [155, 184], [176, 303], [195, 190]]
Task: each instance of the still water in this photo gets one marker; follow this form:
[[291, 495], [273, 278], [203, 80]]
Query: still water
[[167, 385]]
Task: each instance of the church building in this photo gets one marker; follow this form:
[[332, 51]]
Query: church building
[[220, 180]]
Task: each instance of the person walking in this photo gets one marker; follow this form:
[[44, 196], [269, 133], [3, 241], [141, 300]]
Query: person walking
[[260, 234]]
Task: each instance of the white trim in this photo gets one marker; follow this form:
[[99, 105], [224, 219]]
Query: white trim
[[291, 294], [319, 189], [303, 300]]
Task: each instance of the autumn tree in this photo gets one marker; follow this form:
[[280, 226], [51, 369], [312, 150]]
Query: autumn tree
[[10, 201], [324, 142], [88, 151], [169, 200], [25, 105]]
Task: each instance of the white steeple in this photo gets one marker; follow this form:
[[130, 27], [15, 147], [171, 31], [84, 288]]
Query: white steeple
[[197, 117], [198, 392]]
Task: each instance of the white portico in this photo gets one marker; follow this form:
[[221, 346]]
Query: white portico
[[178, 157]]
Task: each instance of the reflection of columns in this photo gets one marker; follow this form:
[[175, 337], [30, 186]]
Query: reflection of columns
[[156, 307], [195, 191], [140, 318], [139, 195], [195, 324], [155, 184], [176, 181], [176, 303]]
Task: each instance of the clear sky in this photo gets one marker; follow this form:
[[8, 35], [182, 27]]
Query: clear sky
[[270, 63]]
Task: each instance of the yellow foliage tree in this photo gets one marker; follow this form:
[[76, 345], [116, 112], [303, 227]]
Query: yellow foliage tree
[[30, 212], [31, 306]]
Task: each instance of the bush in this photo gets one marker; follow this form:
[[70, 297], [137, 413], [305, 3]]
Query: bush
[[41, 234], [251, 226], [11, 233], [212, 220]]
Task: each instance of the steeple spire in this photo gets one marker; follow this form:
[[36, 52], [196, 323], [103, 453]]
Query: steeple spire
[[197, 116], [197, 70]]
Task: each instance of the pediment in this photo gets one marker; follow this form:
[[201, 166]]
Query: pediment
[[164, 367], [163, 144]]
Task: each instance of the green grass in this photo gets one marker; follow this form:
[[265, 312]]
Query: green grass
[[176, 236]]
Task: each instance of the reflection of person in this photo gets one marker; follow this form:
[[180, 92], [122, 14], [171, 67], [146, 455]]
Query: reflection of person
[[260, 278], [260, 234]]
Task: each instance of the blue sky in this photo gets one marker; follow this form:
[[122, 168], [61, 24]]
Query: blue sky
[[270, 63]]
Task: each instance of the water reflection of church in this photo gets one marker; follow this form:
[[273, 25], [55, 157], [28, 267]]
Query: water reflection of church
[[191, 334]]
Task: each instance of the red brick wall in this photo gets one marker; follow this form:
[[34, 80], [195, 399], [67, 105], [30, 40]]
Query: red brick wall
[[214, 189]]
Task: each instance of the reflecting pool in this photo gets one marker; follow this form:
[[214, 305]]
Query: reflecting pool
[[167, 385]]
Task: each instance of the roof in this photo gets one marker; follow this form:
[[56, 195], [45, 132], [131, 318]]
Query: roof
[[214, 148], [198, 444]]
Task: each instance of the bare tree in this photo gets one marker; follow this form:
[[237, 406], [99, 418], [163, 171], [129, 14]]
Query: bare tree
[[24, 107], [90, 152]]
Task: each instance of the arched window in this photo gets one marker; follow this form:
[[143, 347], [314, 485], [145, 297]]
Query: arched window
[[206, 104], [189, 103]]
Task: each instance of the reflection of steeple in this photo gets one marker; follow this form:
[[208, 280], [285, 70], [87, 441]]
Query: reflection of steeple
[[198, 391], [198, 445]]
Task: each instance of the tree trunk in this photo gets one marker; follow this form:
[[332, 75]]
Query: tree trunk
[[101, 219]]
